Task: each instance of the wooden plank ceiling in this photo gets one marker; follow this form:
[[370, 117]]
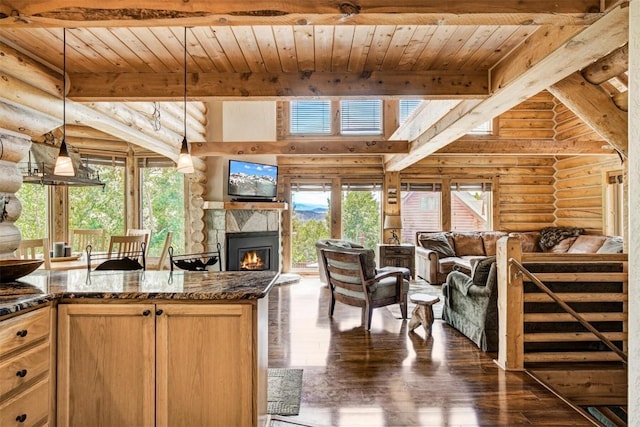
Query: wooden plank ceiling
[[474, 57]]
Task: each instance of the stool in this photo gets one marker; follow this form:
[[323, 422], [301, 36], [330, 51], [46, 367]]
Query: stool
[[423, 312]]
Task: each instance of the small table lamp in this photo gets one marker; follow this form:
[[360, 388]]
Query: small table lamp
[[393, 223]]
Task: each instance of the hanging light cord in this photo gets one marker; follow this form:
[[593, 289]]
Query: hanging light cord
[[185, 82], [64, 84]]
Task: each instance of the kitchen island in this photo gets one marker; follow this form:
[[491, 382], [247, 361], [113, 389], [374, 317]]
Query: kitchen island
[[138, 348]]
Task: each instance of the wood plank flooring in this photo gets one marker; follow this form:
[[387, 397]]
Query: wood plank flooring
[[389, 377]]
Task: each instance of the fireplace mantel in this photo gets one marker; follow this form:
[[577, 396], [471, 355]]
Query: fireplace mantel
[[246, 205]]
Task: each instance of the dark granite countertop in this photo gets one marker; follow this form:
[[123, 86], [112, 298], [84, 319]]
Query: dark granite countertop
[[44, 286]]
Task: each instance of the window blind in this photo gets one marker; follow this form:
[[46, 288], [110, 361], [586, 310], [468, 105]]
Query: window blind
[[406, 107], [310, 117], [361, 117], [421, 186]]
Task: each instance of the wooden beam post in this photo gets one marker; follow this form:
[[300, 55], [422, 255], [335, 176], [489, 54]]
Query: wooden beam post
[[510, 306], [593, 106]]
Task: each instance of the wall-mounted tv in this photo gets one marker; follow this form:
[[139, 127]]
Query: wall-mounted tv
[[248, 180]]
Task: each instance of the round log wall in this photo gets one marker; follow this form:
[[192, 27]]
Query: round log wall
[[12, 150]]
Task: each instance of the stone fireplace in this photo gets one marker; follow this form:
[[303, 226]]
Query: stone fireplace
[[253, 251], [245, 233]]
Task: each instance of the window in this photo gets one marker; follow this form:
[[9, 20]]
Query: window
[[614, 203], [95, 207], [32, 222], [309, 222], [361, 210], [471, 206], [310, 117], [356, 117], [162, 193], [406, 107], [361, 117], [485, 128], [421, 208]]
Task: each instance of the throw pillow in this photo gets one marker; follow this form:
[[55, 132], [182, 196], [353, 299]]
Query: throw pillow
[[369, 263], [613, 245], [437, 243], [481, 269]]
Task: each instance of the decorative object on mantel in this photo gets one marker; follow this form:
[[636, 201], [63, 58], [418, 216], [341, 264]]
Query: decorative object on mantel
[[185, 164], [64, 165], [393, 223], [13, 269]]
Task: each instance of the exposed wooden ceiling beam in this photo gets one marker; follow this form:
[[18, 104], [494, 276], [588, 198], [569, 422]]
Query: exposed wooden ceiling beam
[[536, 67], [342, 147], [170, 86], [28, 122], [530, 147], [614, 64], [324, 12], [594, 107], [18, 93]]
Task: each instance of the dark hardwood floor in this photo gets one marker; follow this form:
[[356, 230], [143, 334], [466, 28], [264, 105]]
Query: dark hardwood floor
[[389, 377]]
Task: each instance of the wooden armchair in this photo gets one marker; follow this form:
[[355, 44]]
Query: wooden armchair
[[353, 281]]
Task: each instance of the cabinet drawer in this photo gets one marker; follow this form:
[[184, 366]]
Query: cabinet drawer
[[398, 250], [26, 409], [22, 330], [23, 369]]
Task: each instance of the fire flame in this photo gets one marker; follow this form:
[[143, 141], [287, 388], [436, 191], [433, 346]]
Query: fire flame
[[251, 261]]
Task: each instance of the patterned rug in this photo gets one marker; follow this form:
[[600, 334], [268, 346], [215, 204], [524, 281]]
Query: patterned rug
[[420, 286], [284, 391]]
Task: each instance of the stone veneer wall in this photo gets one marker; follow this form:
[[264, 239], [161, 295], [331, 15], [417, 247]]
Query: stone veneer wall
[[221, 221]]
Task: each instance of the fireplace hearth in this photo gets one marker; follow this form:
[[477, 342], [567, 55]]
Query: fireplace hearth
[[253, 251]]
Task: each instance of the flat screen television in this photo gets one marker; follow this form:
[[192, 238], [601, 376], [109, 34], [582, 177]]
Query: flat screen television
[[252, 181]]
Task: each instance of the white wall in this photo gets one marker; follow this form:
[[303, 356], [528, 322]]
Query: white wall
[[249, 121], [233, 121]]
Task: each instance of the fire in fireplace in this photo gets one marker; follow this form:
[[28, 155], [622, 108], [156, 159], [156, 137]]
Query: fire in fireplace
[[255, 259], [258, 250]]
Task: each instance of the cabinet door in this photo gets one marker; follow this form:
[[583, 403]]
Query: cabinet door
[[106, 360], [205, 365]]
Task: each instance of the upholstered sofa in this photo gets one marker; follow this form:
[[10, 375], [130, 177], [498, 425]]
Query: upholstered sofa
[[471, 303], [439, 253]]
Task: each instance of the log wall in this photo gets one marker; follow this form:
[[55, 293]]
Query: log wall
[[532, 119], [579, 188]]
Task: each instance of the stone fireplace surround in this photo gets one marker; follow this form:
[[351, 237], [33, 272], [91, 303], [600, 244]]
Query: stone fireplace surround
[[220, 222]]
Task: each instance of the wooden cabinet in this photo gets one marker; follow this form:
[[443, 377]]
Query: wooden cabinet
[[161, 364], [25, 362], [398, 256]]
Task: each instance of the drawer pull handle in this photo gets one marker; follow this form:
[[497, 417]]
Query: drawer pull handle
[[146, 312], [22, 333], [21, 418], [158, 312], [21, 373]]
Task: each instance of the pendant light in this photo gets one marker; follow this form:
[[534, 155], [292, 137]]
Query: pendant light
[[64, 164], [185, 164]]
